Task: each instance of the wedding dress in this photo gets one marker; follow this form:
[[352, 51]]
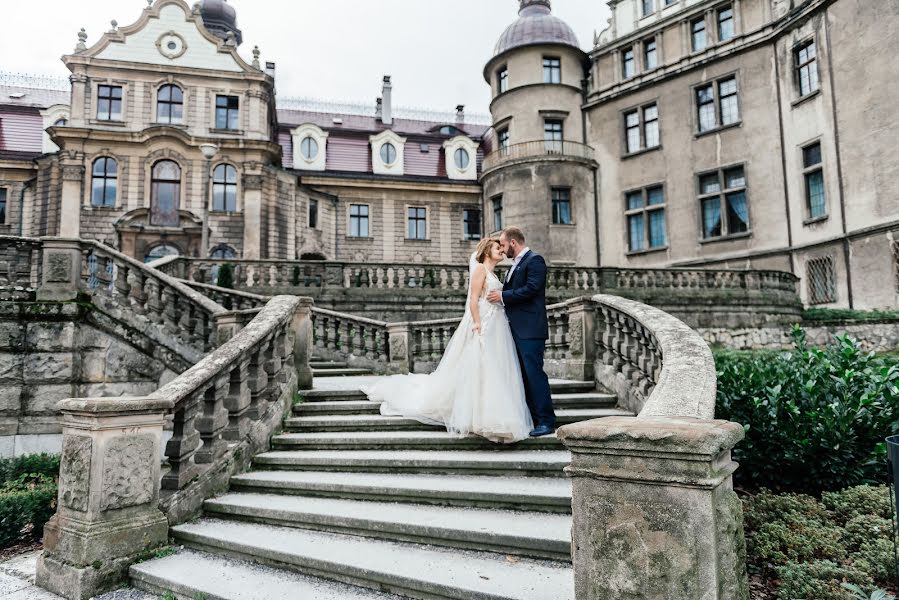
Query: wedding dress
[[477, 387]]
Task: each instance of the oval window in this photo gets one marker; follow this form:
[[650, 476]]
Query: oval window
[[309, 148], [388, 153], [462, 159]]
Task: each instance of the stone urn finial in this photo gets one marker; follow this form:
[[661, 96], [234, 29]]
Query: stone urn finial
[[82, 38], [115, 25], [256, 54]]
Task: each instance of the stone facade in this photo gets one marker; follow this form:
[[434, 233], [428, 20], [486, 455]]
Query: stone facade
[[881, 336]]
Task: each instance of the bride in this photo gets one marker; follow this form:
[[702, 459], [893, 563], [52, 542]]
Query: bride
[[477, 387]]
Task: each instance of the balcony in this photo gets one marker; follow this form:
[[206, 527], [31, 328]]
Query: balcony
[[536, 150]]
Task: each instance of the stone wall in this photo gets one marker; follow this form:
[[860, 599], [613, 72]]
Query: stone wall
[[875, 336], [53, 351]]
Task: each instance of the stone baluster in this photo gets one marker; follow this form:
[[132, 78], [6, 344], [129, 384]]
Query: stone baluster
[[212, 420], [258, 383], [154, 306], [302, 339], [182, 446], [107, 512], [136, 295], [400, 345], [169, 302], [122, 285], [237, 402]]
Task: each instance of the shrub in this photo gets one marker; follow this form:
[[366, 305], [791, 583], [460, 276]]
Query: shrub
[[27, 495], [819, 580], [225, 277], [42, 464], [845, 314], [815, 419], [860, 501]]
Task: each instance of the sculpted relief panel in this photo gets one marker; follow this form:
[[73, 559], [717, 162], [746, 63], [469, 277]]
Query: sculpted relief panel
[[74, 479], [127, 463]]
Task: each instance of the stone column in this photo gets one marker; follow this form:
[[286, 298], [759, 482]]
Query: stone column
[[581, 343], [252, 215], [302, 344], [654, 511], [400, 345], [70, 206], [107, 513], [61, 271]]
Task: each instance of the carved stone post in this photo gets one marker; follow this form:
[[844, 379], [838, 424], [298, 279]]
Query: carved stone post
[[655, 514], [226, 326], [581, 343], [70, 204], [61, 270], [400, 346], [302, 344], [252, 197], [107, 512]]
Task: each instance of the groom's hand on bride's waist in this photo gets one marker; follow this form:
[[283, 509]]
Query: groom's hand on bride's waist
[[496, 297]]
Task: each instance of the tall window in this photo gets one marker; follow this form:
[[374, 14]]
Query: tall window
[[502, 137], [165, 200], [502, 79], [552, 70], [813, 173], [169, 104], [725, 23], [3, 196], [109, 103], [224, 189], [723, 203], [645, 214], [650, 54], [417, 223], [359, 220], [641, 128], [628, 67], [821, 281], [697, 33], [561, 199], [806, 60], [313, 213], [104, 182], [471, 224], [227, 112], [717, 104], [648, 7], [552, 135], [498, 213]]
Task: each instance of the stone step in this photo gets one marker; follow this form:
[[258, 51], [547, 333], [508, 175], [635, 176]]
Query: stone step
[[516, 462], [377, 422], [572, 387], [547, 494], [327, 364], [339, 372], [584, 400], [411, 570], [309, 396], [192, 574], [394, 440], [533, 534]]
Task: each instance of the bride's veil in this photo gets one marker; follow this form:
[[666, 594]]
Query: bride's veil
[[472, 265]]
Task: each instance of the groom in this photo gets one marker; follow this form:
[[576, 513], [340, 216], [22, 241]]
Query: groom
[[524, 296]]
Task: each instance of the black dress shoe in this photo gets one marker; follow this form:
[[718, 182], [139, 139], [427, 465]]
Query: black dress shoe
[[542, 430]]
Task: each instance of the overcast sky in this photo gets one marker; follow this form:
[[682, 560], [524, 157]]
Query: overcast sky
[[331, 49]]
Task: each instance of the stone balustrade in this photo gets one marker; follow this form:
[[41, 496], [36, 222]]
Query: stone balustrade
[[20, 267], [115, 503], [538, 149]]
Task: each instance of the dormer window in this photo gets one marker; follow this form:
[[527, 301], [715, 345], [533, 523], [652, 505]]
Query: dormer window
[[552, 70], [227, 112], [310, 146], [61, 122], [387, 153], [109, 103], [170, 105], [450, 130]]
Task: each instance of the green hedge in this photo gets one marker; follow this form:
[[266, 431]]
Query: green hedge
[[815, 419], [845, 314], [28, 489]]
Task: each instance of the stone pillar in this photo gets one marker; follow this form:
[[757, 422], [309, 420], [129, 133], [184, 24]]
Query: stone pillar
[[400, 345], [654, 511], [61, 270], [302, 344], [581, 342], [70, 206], [107, 513], [226, 326], [252, 215]]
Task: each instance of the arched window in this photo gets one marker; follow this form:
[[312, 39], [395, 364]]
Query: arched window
[[224, 189], [165, 194], [169, 104], [160, 250], [223, 252], [104, 182], [61, 122]]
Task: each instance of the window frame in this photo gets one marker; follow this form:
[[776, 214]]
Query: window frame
[[722, 195], [551, 127], [105, 177], [655, 53], [807, 172], [643, 5], [386, 148], [420, 222], [799, 65], [628, 65], [496, 204], [502, 79], [559, 201], [4, 204], [226, 186], [644, 211], [719, 22], [462, 151], [502, 140], [641, 127], [154, 189], [112, 100], [715, 84], [467, 235], [312, 214], [553, 70], [694, 48], [828, 266], [229, 111], [311, 139], [169, 104], [359, 220]]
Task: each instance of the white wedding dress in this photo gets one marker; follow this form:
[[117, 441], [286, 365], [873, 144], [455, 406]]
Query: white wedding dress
[[477, 387]]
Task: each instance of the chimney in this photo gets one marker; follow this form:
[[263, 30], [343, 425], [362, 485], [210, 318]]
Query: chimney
[[460, 113], [387, 103], [270, 69]]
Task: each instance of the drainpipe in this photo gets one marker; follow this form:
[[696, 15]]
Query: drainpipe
[[22, 205]]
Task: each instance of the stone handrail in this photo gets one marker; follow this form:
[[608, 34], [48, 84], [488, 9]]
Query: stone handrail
[[536, 149], [229, 298], [115, 503]]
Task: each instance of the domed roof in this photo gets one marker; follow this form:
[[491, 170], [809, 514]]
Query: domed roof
[[536, 25], [220, 19]]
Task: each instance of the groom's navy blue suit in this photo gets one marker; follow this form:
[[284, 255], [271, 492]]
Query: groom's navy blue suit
[[524, 296]]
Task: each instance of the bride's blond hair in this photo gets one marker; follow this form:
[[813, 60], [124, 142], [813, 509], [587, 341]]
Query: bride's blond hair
[[484, 247]]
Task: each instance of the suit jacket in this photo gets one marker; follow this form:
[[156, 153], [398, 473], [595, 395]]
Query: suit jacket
[[524, 296]]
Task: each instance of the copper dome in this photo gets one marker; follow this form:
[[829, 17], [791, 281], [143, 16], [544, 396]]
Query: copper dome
[[535, 25], [220, 19]]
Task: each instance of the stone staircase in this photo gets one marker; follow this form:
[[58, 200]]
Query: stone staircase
[[351, 504], [331, 368]]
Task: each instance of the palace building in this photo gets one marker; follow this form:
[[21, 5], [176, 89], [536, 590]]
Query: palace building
[[719, 134]]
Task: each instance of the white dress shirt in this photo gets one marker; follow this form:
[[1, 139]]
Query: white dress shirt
[[515, 263]]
